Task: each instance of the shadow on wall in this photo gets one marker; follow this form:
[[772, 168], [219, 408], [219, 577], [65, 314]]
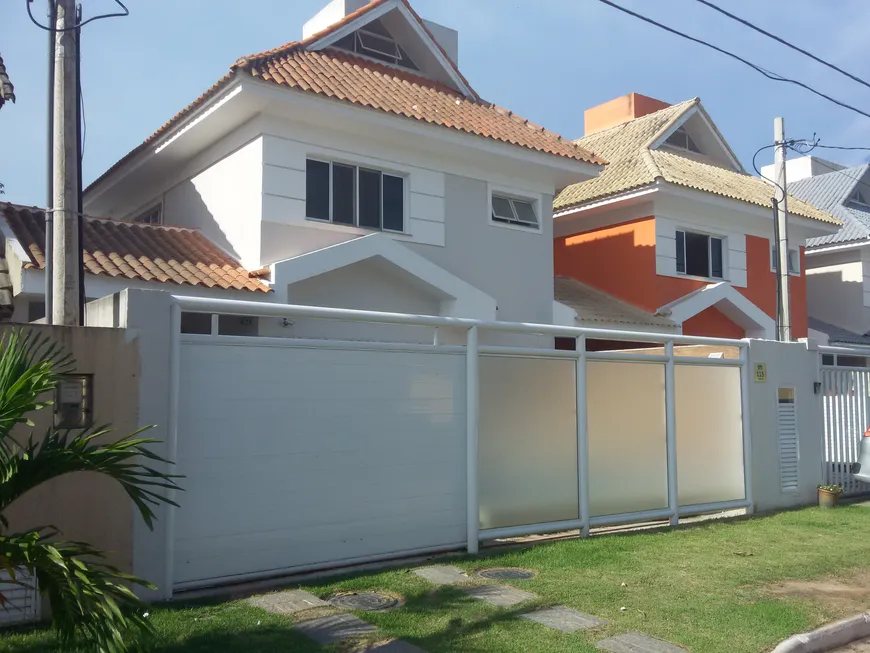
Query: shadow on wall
[[837, 297], [185, 207], [619, 260]]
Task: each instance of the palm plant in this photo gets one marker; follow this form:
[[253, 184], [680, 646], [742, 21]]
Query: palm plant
[[92, 604]]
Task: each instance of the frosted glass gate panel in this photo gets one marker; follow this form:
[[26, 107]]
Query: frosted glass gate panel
[[527, 441], [628, 467], [709, 434]]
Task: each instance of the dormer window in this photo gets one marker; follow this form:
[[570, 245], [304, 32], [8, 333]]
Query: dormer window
[[154, 215], [681, 140], [376, 42], [859, 198]]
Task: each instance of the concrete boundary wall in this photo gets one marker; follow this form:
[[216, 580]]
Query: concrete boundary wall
[[86, 506], [145, 318]]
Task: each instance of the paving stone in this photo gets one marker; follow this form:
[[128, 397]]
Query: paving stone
[[443, 575], [502, 596], [287, 602], [334, 628], [637, 643], [395, 646], [564, 619]]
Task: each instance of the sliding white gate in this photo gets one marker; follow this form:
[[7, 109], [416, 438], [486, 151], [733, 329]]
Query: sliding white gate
[[306, 454], [846, 404]]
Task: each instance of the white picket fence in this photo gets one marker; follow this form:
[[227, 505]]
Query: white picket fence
[[21, 599], [846, 405]]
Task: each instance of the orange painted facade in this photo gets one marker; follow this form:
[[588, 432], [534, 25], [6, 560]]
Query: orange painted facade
[[621, 261]]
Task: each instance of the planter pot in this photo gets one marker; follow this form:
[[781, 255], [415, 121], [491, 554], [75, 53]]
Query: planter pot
[[827, 499]]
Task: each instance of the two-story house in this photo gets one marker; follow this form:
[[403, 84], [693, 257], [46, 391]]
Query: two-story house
[[358, 168], [675, 227], [838, 264]]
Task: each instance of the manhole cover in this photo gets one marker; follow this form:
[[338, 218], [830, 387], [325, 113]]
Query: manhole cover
[[506, 573], [364, 601]]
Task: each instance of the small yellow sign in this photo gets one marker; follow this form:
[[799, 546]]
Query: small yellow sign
[[761, 373]]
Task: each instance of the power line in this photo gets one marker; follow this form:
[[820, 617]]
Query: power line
[[829, 167], [788, 44], [124, 12], [767, 73]]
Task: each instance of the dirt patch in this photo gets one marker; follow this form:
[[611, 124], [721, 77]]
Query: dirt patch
[[843, 596]]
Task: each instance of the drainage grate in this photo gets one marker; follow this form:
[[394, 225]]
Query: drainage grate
[[506, 573], [364, 601]]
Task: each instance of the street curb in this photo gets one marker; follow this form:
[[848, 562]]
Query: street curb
[[828, 637]]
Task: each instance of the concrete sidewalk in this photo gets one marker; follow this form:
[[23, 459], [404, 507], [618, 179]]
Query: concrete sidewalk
[[858, 647]]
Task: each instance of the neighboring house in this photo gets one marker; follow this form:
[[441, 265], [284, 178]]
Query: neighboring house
[[838, 264], [119, 255], [676, 227], [361, 168]]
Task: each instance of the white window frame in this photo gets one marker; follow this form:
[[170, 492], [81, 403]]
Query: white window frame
[[723, 239], [356, 165], [153, 207], [512, 194], [791, 250]]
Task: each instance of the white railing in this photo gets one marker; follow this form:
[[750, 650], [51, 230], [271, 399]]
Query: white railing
[[663, 353], [846, 408]]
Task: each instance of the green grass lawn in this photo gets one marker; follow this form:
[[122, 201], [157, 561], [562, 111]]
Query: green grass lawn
[[697, 587]]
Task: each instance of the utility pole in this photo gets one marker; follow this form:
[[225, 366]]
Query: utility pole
[[65, 161], [783, 326]]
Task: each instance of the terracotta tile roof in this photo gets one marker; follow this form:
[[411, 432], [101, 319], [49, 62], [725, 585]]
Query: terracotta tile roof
[[340, 75], [344, 76], [593, 305], [137, 251], [633, 165]]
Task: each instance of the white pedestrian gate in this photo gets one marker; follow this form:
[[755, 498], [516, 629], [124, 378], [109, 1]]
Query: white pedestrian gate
[[846, 404]]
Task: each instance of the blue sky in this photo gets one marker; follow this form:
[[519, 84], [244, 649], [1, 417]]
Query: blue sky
[[547, 60]]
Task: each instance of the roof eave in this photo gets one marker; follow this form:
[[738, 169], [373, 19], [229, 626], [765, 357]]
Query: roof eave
[[570, 166]]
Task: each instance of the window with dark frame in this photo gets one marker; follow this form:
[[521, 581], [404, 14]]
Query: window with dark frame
[[681, 140], [375, 41], [154, 215], [354, 196], [700, 255]]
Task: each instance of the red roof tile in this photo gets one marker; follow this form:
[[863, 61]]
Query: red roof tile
[[341, 75], [137, 251]]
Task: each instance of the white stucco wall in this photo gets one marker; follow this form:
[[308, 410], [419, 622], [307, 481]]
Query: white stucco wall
[[513, 265], [789, 365], [837, 289], [366, 285], [225, 202], [247, 193]]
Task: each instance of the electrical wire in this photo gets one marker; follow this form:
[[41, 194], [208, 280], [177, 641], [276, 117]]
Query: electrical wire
[[829, 167], [784, 42], [767, 73], [758, 172], [125, 12]]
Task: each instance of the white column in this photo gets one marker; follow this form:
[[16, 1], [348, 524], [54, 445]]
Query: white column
[[472, 380]]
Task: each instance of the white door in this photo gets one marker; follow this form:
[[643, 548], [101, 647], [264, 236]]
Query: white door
[[306, 456]]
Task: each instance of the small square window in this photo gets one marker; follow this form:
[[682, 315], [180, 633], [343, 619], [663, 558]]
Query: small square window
[[514, 211]]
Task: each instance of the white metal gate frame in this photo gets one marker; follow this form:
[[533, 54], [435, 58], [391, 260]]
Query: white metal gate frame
[[844, 420], [473, 351]]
